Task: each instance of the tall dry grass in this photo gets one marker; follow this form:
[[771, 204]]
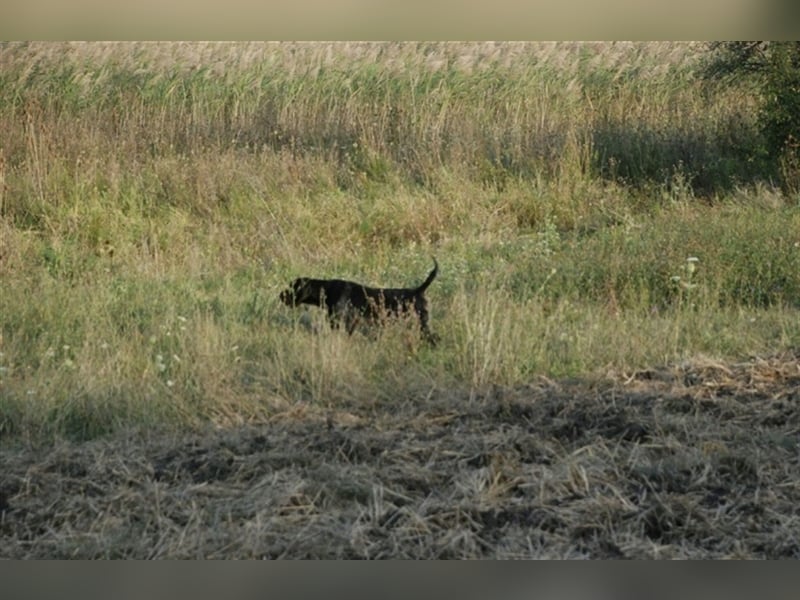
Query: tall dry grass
[[156, 197]]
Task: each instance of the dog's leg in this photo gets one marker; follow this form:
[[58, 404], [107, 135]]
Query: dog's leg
[[427, 334]]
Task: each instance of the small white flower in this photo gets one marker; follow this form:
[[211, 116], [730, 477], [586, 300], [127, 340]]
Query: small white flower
[[170, 383]]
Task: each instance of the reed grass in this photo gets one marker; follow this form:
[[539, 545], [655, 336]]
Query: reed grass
[[155, 198]]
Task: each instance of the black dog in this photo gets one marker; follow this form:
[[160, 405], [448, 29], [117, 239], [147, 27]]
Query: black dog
[[351, 302]]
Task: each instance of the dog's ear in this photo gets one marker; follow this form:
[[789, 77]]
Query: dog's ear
[[300, 288], [307, 290]]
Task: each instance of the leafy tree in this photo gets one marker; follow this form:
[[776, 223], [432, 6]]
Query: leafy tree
[[774, 69]]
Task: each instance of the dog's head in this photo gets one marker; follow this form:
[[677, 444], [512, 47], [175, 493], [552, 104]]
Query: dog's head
[[301, 291]]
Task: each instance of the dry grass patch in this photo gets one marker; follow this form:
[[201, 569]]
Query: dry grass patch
[[691, 461]]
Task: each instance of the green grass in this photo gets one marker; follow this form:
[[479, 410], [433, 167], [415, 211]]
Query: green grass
[[155, 199]]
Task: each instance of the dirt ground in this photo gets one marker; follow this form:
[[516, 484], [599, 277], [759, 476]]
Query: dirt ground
[[694, 461]]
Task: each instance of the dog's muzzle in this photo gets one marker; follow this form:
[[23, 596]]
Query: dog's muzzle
[[287, 297]]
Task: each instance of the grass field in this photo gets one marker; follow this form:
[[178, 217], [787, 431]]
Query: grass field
[[598, 211]]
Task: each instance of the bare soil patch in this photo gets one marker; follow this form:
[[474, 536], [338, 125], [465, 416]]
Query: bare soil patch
[[693, 461]]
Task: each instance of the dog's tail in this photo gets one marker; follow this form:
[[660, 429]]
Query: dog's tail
[[430, 278]]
